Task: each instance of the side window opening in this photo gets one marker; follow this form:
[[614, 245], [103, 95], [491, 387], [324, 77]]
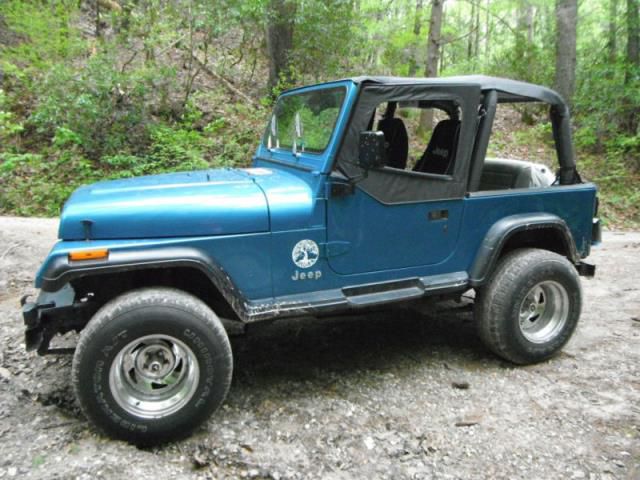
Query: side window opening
[[521, 153], [412, 149]]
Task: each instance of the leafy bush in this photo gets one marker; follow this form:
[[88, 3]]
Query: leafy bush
[[8, 126], [176, 148], [101, 109], [34, 185], [75, 108], [44, 31]]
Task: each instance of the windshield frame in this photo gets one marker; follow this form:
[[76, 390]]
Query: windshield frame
[[310, 160]]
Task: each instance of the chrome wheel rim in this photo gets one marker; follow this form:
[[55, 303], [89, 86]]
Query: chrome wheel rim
[[154, 376], [544, 312]]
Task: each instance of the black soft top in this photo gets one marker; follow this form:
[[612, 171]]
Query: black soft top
[[508, 90], [494, 90]]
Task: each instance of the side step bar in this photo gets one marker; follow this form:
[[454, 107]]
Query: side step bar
[[378, 293], [353, 297]]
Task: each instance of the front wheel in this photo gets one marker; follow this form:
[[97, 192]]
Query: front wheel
[[152, 365], [530, 306]]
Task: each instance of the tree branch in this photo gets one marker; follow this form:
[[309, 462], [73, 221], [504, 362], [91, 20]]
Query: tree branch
[[226, 82], [497, 17], [171, 45], [461, 37]]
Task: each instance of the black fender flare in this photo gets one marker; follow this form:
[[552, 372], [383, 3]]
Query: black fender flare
[[505, 228], [61, 271]]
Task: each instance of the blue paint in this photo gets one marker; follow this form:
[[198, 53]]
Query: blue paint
[[244, 257], [213, 202], [249, 220], [391, 237]]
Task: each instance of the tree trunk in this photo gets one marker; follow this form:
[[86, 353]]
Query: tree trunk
[[4, 36], [433, 55], [476, 35], [613, 27], [434, 40], [417, 27], [487, 40], [280, 20], [566, 24], [524, 38], [442, 60], [633, 41], [98, 31], [530, 24], [472, 26], [632, 66]]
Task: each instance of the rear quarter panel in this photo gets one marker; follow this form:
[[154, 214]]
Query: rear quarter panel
[[572, 203]]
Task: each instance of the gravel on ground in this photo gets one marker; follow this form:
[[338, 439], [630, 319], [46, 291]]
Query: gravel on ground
[[399, 393]]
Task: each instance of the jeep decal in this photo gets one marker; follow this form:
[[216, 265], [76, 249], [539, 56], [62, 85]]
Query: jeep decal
[[305, 254]]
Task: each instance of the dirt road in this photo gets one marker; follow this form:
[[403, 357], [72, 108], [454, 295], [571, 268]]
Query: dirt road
[[369, 397]]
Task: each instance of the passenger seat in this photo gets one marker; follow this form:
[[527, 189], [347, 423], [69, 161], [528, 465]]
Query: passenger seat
[[441, 151]]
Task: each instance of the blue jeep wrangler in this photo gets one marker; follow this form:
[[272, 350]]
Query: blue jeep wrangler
[[344, 208]]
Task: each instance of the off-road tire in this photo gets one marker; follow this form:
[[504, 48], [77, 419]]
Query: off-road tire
[[152, 315], [501, 302]]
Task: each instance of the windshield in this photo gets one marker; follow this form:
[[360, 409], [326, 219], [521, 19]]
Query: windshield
[[305, 121]]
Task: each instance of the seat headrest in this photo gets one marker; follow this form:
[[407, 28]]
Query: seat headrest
[[441, 138], [397, 139], [439, 154]]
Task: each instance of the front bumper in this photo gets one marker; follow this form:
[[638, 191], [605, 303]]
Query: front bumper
[[32, 315], [586, 269], [52, 313]]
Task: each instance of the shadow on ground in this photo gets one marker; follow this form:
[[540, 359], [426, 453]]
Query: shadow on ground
[[303, 349]]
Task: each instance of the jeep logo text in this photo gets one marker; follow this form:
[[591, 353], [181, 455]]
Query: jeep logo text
[[298, 275]]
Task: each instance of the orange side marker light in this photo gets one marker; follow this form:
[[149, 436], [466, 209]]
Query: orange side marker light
[[97, 254]]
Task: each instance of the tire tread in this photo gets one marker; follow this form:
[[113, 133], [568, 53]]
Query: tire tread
[[138, 299], [493, 301]]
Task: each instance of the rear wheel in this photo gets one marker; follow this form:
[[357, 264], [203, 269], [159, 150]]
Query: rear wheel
[[152, 365], [530, 306]]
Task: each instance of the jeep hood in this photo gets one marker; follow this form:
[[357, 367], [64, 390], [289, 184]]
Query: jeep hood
[[212, 202]]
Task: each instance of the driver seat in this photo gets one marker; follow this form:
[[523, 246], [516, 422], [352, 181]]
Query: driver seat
[[396, 138]]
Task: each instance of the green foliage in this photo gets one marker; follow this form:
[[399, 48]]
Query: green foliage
[[101, 109], [65, 137], [619, 189], [8, 126], [331, 20], [11, 162], [173, 148], [234, 134], [125, 166], [44, 31], [35, 186], [75, 108], [539, 133], [317, 113]]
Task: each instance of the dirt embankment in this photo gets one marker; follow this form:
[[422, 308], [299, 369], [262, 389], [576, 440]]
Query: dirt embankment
[[377, 396]]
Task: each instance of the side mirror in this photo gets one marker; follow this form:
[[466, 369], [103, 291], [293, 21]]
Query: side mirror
[[372, 152]]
